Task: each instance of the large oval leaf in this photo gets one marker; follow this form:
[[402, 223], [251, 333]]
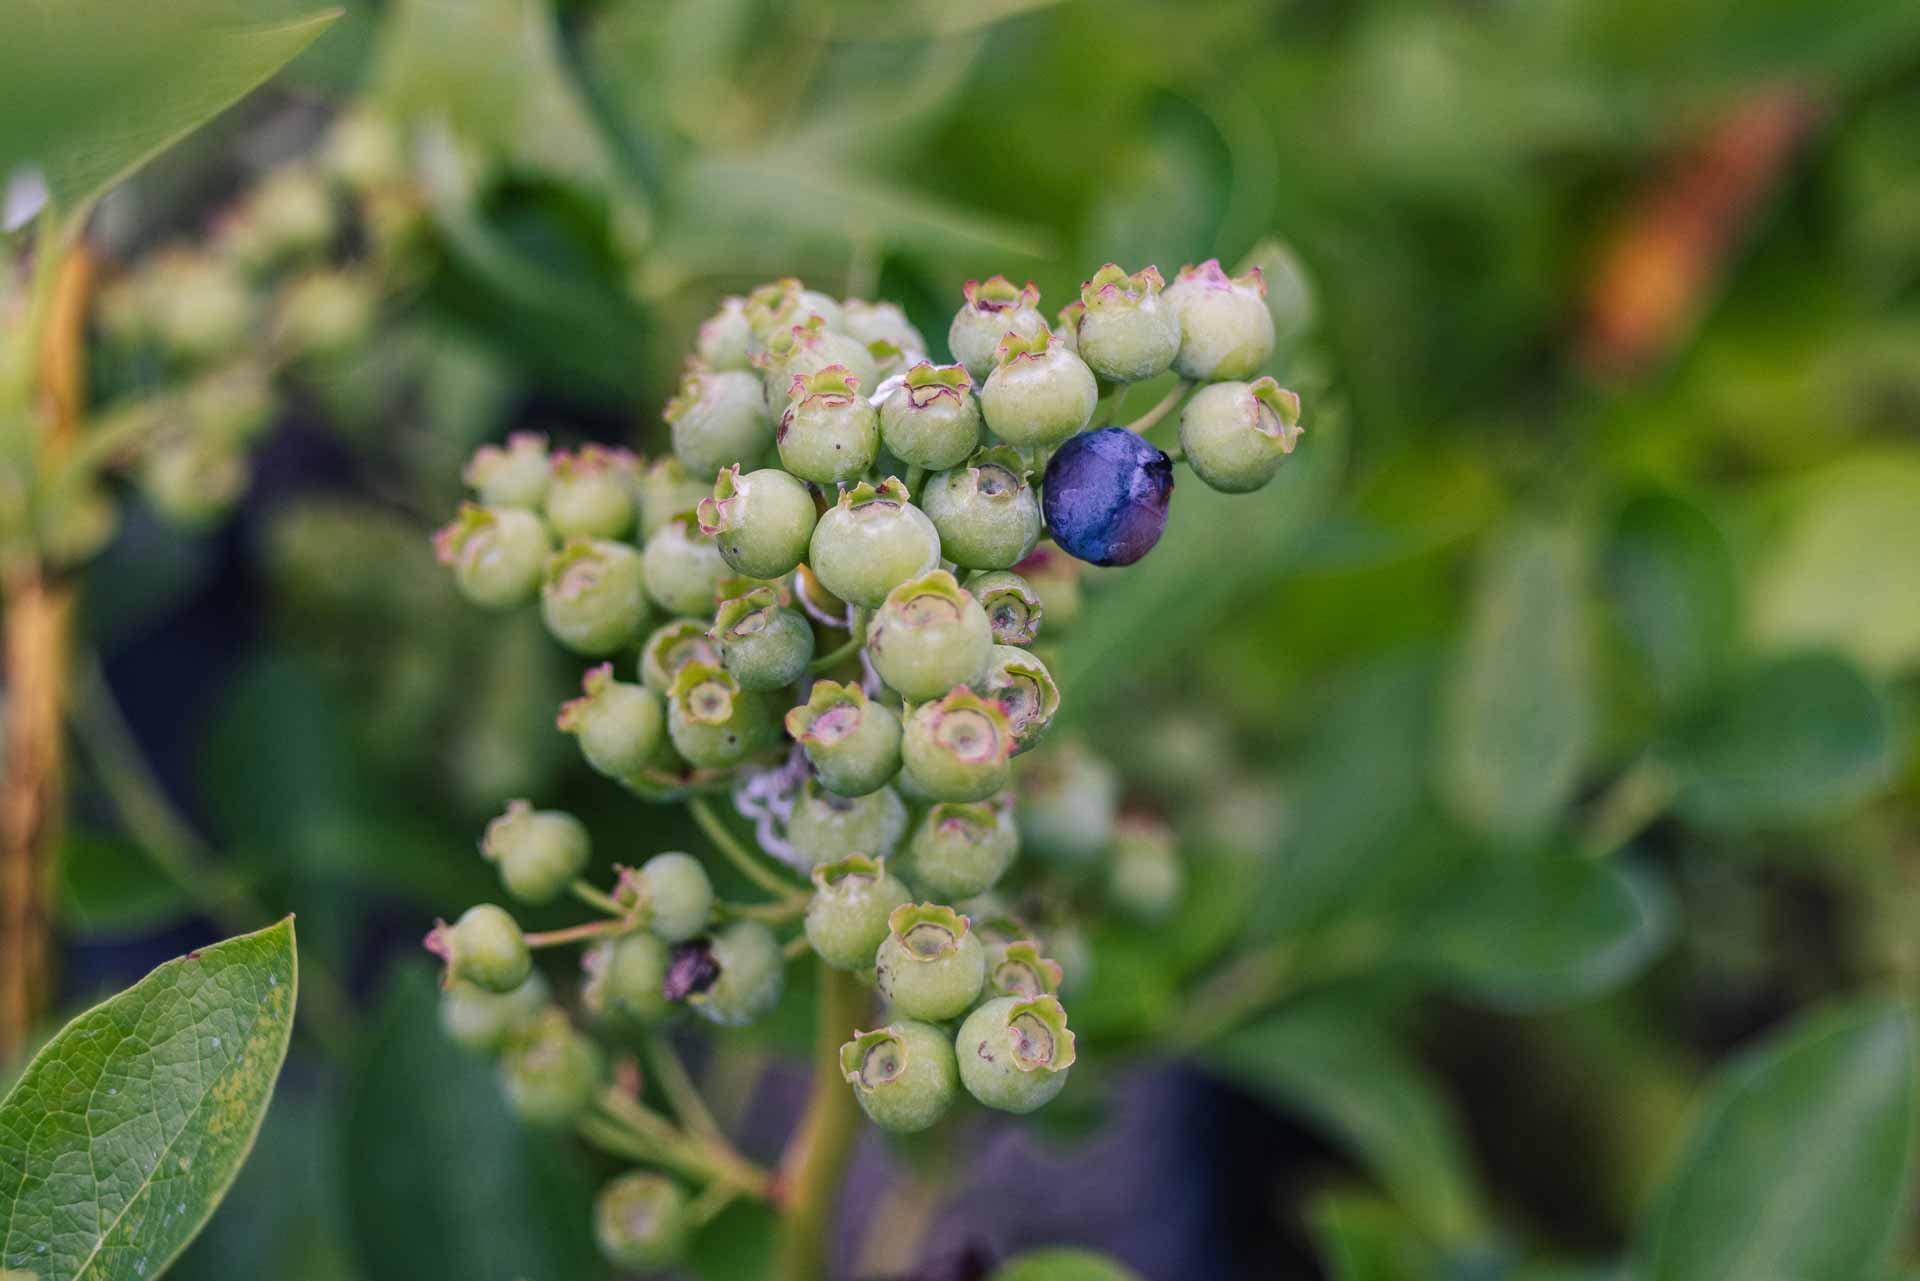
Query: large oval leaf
[[129, 1125], [1800, 1166]]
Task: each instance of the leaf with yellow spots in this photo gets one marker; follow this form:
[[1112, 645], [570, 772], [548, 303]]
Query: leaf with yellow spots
[[129, 1126]]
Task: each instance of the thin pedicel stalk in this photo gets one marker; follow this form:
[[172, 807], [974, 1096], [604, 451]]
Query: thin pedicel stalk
[[809, 1179], [1145, 422], [729, 845]]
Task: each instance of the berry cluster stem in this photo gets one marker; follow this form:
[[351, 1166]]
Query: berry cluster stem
[[1145, 422], [739, 855], [841, 653], [816, 1157]]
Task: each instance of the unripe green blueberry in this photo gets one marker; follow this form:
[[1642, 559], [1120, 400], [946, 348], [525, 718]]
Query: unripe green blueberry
[[189, 481], [668, 489], [1055, 579], [1038, 393], [201, 308], [723, 337], [550, 1071], [1128, 332], [671, 647], [1066, 804], [499, 555], [752, 973], [621, 727], [671, 893], [761, 522], [290, 215], [1024, 688], [484, 1021], [683, 567], [539, 852], [624, 977], [956, 748], [1014, 1053], [1066, 325], [960, 849], [484, 947], [903, 1075], [870, 542], [719, 419], [852, 742], [713, 722], [640, 1221], [1226, 330], [1236, 435], [930, 417], [823, 827], [806, 350], [775, 308], [1144, 874], [929, 636], [873, 322], [762, 645], [987, 514], [828, 431], [847, 916], [324, 313], [516, 476], [1018, 969], [929, 966], [994, 308], [890, 362], [594, 597], [1013, 607]]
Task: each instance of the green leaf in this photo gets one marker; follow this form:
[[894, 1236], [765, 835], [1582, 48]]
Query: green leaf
[[108, 886], [1670, 576], [1786, 742], [1799, 1168], [1362, 1238], [1063, 1264], [1339, 1067], [129, 1125], [1518, 716], [90, 90], [1546, 930], [1841, 573], [738, 1245], [448, 1185]]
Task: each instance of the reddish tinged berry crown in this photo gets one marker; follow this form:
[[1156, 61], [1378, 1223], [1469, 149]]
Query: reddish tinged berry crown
[[834, 385], [1284, 407], [1212, 275], [832, 712], [1017, 346], [1112, 286], [593, 684], [928, 931], [927, 382], [997, 293]]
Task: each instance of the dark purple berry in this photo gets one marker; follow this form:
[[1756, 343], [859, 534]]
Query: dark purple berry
[[691, 970], [1106, 496]]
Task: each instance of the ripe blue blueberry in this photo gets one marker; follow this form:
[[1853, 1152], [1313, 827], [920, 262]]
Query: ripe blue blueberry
[[1106, 496]]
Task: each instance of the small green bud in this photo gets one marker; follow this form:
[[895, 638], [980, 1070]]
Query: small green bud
[[719, 419], [621, 727], [871, 541], [640, 1221], [713, 722], [671, 647], [903, 1075], [594, 598], [1066, 804], [624, 977], [485, 1021], [960, 849], [1017, 969], [484, 947], [752, 973], [1024, 688], [1127, 333], [987, 514], [1226, 330], [847, 916], [668, 489], [930, 417], [1236, 435], [1144, 876], [1038, 393], [516, 476], [723, 337], [823, 827], [683, 567], [762, 645], [929, 966], [1013, 607], [672, 894], [539, 852], [929, 636], [828, 431], [994, 309], [591, 494], [774, 309], [762, 521], [873, 322], [1055, 579], [806, 350], [550, 1071], [852, 742], [1014, 1053], [956, 748], [499, 555]]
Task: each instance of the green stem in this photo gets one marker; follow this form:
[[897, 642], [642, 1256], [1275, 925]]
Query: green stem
[[1145, 422], [645, 1135], [754, 869], [1628, 807], [916, 477], [787, 909], [675, 1082], [597, 899], [579, 933], [816, 1157], [841, 653]]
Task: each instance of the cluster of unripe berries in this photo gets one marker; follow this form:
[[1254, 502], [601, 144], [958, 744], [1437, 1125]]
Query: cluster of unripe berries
[[830, 597]]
